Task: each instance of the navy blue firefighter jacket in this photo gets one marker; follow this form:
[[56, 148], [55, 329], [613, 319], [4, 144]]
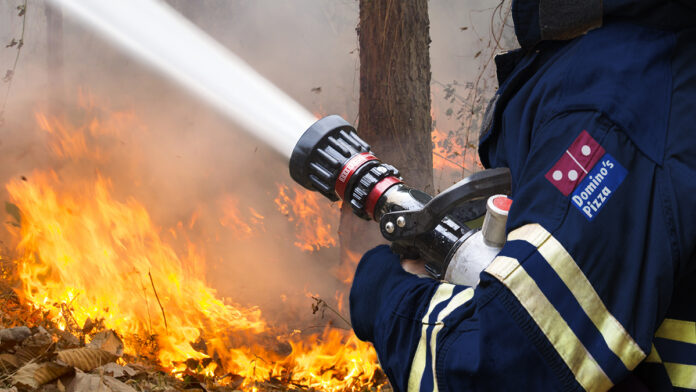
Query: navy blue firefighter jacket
[[596, 286]]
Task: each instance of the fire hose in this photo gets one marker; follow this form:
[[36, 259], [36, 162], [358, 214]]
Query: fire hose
[[330, 158]]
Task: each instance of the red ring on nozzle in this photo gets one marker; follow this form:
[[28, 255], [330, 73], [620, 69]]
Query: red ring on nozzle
[[377, 192], [351, 166]]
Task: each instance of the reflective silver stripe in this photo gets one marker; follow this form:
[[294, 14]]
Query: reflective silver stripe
[[443, 293]]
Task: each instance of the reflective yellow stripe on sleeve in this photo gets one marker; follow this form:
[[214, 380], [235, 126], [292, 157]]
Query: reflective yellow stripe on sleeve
[[457, 301], [443, 293], [654, 356], [680, 375], [584, 367], [615, 335], [679, 330]]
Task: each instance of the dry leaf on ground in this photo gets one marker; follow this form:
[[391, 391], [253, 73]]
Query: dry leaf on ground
[[35, 347], [67, 340], [9, 362], [109, 341], [41, 338], [117, 386], [33, 375], [9, 337], [84, 382], [116, 370], [86, 359]]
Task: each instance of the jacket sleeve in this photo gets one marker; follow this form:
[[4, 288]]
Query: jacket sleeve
[[573, 299]]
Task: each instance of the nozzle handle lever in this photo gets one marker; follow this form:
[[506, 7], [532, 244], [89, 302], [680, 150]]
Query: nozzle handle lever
[[406, 224]]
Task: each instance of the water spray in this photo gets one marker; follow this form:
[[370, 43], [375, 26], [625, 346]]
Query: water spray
[[157, 35], [330, 158]]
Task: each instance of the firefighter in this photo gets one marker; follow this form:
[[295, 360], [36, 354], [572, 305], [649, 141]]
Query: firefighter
[[596, 286]]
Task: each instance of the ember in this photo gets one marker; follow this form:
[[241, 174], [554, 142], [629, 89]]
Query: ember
[[89, 262]]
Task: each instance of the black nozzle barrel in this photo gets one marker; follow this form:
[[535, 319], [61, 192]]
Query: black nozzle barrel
[[322, 152], [330, 158]]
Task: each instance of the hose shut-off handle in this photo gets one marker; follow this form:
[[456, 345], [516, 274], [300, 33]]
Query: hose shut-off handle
[[405, 224]]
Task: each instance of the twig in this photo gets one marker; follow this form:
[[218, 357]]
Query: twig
[[448, 160], [321, 303], [443, 85], [256, 381], [166, 328], [323, 326], [470, 112], [11, 72], [68, 316], [147, 306]]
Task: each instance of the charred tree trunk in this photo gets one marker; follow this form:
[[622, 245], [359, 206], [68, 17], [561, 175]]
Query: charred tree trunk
[[394, 101]]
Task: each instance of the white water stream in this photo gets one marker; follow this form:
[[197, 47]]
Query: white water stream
[[153, 32]]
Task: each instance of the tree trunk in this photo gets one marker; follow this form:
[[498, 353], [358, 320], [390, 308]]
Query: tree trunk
[[394, 102], [395, 86]]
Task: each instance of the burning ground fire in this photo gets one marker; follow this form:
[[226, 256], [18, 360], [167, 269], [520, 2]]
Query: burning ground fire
[[85, 257]]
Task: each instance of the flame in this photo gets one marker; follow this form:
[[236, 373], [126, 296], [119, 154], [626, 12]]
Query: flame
[[232, 219], [73, 140], [84, 254], [314, 218], [327, 357], [106, 259]]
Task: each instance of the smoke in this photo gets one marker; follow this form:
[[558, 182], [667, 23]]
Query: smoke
[[184, 161]]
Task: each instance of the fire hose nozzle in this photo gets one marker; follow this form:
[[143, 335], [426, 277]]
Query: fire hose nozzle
[[330, 158], [322, 152]]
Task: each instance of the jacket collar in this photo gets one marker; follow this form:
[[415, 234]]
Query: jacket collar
[[554, 20]]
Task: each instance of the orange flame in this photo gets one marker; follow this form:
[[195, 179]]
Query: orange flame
[[313, 216], [106, 259], [80, 248], [240, 226]]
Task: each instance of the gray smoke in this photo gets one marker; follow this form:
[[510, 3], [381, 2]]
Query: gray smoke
[[186, 159]]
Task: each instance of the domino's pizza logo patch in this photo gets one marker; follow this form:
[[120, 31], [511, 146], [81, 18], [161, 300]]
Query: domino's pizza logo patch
[[587, 172]]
